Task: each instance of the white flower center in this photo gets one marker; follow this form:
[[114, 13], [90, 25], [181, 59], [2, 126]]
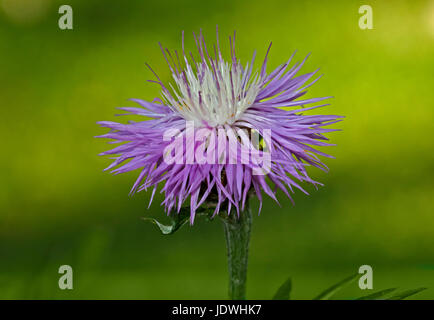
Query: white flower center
[[215, 93]]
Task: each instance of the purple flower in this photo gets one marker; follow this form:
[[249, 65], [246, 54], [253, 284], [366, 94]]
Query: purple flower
[[220, 131]]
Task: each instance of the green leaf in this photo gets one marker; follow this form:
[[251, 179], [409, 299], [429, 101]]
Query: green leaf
[[166, 229], [177, 221], [180, 219], [377, 295], [406, 294], [330, 292], [283, 291]]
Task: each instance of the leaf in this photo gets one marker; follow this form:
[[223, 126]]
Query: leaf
[[377, 295], [165, 229], [406, 294], [330, 292], [283, 291], [179, 219]]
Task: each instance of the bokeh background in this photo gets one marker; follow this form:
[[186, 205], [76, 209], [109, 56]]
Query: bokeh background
[[58, 207]]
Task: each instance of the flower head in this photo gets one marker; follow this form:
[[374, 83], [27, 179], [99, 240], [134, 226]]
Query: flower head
[[220, 130]]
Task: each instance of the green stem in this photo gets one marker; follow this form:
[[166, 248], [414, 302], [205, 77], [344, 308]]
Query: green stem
[[237, 234]]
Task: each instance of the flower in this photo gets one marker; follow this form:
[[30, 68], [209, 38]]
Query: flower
[[233, 114]]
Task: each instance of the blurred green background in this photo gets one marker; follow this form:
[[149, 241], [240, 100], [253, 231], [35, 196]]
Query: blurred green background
[[58, 207]]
